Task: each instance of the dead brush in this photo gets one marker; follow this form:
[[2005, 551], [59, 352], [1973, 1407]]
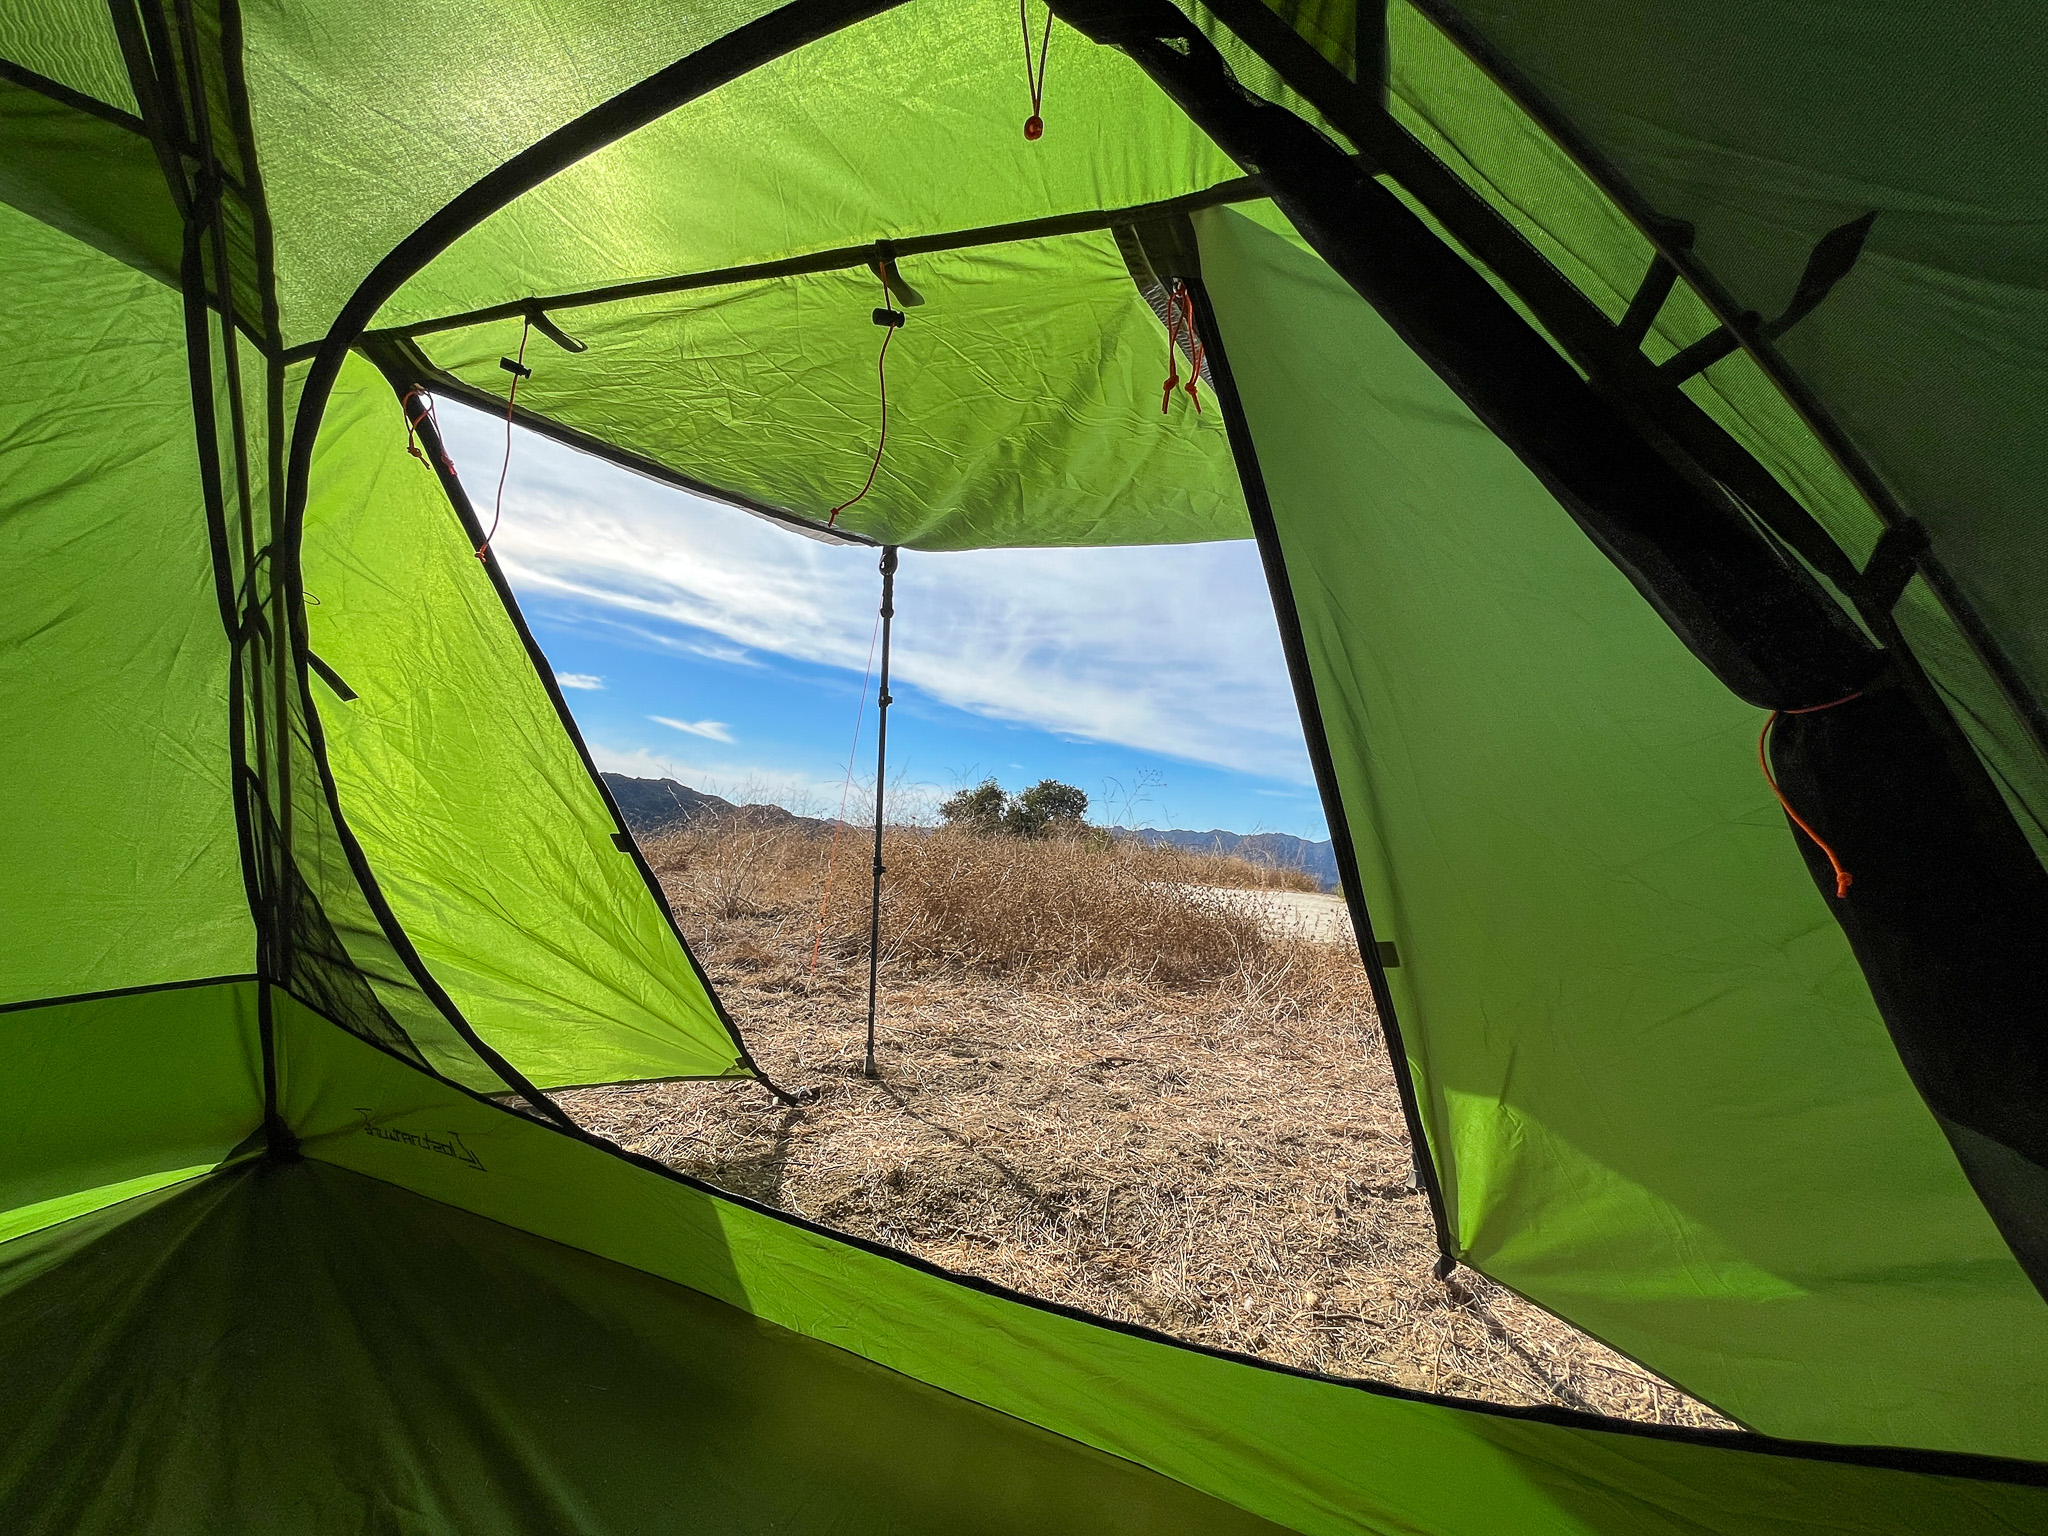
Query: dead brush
[[735, 865], [1076, 909], [1062, 909], [1190, 866]]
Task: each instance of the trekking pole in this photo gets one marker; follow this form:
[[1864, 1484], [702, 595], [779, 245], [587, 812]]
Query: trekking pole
[[881, 779]]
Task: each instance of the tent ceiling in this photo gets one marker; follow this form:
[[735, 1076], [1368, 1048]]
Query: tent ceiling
[[71, 42], [1024, 398], [907, 124], [369, 116]]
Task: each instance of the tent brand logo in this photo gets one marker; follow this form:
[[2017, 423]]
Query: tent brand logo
[[446, 1143]]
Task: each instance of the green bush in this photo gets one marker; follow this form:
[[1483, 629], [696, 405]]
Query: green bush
[[1047, 809]]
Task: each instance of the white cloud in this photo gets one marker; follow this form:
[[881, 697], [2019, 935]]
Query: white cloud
[[580, 680], [711, 730], [1169, 649]]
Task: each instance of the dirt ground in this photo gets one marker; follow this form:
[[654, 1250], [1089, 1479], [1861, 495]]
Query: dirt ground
[[1318, 915], [1202, 1161]]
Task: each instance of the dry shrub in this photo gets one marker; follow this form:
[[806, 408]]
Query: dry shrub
[[1075, 909], [1192, 866], [746, 863]]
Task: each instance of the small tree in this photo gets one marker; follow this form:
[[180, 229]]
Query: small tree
[[1046, 809], [981, 809]]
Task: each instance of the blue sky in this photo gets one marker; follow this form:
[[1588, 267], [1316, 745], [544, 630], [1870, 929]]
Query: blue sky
[[697, 642]]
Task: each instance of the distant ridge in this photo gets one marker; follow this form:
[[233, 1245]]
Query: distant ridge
[[1278, 849], [660, 805], [657, 805]]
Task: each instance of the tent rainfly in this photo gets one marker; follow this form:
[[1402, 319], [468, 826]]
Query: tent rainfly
[[1604, 385]]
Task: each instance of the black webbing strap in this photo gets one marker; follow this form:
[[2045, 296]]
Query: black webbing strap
[[1642, 309], [1826, 265], [1832, 257], [331, 678], [538, 318], [1892, 564]]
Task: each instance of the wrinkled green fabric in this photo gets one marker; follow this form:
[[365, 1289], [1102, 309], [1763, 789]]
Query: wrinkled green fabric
[[1469, 122], [71, 42], [91, 178], [1311, 1455], [488, 835], [382, 114], [106, 1091], [1657, 1091], [1023, 399], [1950, 286], [906, 124], [386, 1363], [119, 828]]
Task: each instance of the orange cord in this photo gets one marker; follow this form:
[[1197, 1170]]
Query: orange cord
[[412, 424], [832, 852], [511, 395], [882, 438], [1843, 879], [1180, 311], [1034, 125], [1187, 301]]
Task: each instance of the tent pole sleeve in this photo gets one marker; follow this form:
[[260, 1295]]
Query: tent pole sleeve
[[1244, 452], [1242, 189], [881, 784]]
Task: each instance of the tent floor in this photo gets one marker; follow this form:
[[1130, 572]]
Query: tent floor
[[296, 1348]]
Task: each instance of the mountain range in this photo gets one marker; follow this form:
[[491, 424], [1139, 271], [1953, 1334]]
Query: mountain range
[[656, 805]]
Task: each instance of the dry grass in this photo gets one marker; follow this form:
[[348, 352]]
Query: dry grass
[[1061, 911], [1229, 871], [1095, 1087]]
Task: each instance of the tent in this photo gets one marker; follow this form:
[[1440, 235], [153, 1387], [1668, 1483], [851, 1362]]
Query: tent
[[1604, 385]]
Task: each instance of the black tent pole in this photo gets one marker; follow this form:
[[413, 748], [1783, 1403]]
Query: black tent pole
[[881, 780]]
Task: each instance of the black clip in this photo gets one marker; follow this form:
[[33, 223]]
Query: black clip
[[517, 369], [889, 317], [884, 267], [1893, 563]]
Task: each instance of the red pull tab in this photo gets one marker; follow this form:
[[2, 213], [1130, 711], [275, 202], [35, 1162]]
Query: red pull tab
[[1034, 71]]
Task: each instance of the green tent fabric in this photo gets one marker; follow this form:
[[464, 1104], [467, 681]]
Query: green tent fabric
[[311, 892], [655, 1356], [1028, 415], [122, 864], [478, 812], [1683, 949], [898, 127], [1949, 286]]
